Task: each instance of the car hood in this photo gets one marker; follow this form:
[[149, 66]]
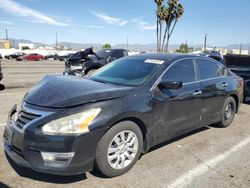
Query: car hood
[[68, 91]]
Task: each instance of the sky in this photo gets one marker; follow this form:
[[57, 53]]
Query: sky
[[112, 21]]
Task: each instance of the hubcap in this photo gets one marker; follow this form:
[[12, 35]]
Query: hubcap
[[122, 149], [228, 111]]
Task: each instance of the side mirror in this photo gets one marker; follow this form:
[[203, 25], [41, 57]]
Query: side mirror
[[111, 59], [170, 85]]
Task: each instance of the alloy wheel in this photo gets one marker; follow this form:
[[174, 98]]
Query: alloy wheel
[[122, 149]]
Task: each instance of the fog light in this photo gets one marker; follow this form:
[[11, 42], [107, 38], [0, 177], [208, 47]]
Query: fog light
[[57, 160]]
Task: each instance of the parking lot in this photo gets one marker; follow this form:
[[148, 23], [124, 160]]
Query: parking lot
[[209, 157]]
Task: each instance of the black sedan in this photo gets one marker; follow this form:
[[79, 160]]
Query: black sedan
[[14, 55], [108, 120]]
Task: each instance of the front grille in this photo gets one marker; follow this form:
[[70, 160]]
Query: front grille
[[24, 118]]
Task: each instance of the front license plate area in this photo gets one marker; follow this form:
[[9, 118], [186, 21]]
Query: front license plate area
[[8, 132]]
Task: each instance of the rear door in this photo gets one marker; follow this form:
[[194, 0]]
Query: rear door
[[178, 111], [213, 87]]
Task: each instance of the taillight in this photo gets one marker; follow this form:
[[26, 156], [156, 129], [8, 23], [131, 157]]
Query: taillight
[[241, 82]]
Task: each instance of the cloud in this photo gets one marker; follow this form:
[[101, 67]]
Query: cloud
[[143, 25], [93, 26], [5, 22], [33, 15], [110, 20]]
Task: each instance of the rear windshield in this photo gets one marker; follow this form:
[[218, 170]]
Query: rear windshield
[[129, 72], [103, 53]]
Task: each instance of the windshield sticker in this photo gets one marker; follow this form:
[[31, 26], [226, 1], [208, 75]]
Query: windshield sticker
[[155, 61], [107, 51]]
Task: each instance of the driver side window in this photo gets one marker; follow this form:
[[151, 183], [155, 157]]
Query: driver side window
[[181, 71]]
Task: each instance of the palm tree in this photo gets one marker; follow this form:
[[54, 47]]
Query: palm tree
[[161, 13], [177, 11], [158, 3]]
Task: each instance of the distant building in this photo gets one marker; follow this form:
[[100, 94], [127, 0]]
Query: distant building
[[45, 48], [236, 51], [5, 44], [223, 51], [21, 46]]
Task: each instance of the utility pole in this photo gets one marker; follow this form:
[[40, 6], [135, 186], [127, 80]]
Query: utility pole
[[240, 48], [6, 30], [56, 40], [205, 42]]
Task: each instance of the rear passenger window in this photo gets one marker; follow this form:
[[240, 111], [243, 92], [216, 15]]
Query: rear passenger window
[[181, 71], [208, 69], [117, 54], [224, 71]]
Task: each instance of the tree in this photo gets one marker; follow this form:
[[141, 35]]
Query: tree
[[106, 46], [161, 13], [159, 4], [25, 48], [183, 48], [170, 13]]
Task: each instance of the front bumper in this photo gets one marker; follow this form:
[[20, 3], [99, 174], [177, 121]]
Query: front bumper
[[25, 147]]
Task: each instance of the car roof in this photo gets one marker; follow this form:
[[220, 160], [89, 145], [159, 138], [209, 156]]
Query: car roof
[[162, 56], [113, 49]]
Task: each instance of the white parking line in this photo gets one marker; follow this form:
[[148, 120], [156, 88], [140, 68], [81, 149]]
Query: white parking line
[[187, 178], [2, 124], [12, 93]]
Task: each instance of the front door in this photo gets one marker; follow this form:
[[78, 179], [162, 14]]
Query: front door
[[177, 111]]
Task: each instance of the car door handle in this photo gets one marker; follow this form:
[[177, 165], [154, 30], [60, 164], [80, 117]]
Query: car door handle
[[224, 84], [196, 93]]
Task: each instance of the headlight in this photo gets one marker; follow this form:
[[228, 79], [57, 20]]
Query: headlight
[[77, 123]]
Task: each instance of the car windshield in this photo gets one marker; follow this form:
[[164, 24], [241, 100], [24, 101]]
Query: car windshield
[[103, 53], [128, 72]]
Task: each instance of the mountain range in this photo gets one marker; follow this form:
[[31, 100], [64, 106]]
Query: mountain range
[[137, 47]]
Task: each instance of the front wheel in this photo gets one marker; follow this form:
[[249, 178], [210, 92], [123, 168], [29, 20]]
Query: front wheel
[[228, 112], [119, 149]]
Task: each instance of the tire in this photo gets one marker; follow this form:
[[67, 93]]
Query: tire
[[228, 112], [108, 147]]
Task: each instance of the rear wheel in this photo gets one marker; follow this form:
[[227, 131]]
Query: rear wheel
[[119, 149], [228, 112]]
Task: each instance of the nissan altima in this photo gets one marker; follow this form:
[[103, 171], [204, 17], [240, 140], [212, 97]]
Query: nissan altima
[[68, 125]]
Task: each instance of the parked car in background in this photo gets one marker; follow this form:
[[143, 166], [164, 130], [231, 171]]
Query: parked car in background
[[1, 57], [14, 55], [68, 125], [87, 61], [31, 57], [64, 57], [240, 65], [53, 56], [216, 55]]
